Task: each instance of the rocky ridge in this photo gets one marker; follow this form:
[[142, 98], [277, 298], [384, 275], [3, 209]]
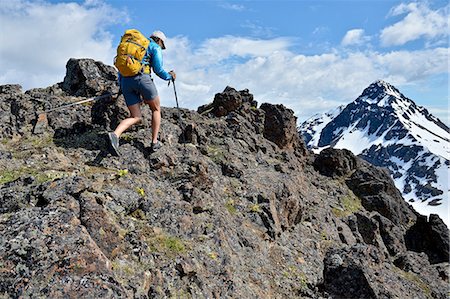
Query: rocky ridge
[[232, 206]]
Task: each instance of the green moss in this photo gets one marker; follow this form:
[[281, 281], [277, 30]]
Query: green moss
[[140, 191], [41, 176], [92, 170], [138, 214], [230, 205], [216, 154], [168, 245], [127, 138], [350, 204], [29, 143], [122, 172], [303, 280], [122, 267], [174, 244], [415, 279], [255, 208], [49, 175], [213, 255], [8, 176], [294, 273], [180, 294], [41, 141]]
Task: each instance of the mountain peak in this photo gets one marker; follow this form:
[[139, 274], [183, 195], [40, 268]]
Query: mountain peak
[[388, 129], [380, 92]]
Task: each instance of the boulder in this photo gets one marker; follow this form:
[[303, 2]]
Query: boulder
[[361, 271], [88, 78], [335, 162], [377, 192], [228, 101], [429, 236], [280, 126]]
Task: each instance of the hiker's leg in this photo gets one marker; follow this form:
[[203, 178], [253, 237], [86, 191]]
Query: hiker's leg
[[154, 105], [135, 117]]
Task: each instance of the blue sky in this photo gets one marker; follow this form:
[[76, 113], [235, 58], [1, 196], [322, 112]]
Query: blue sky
[[308, 55]]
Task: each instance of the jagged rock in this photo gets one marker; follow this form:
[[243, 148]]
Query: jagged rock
[[98, 223], [10, 89], [48, 243], [378, 193], [16, 111], [412, 262], [86, 77], [227, 101], [391, 234], [362, 272], [335, 163], [431, 237], [280, 126]]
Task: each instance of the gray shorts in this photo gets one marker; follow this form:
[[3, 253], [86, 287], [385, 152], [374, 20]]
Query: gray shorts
[[135, 87]]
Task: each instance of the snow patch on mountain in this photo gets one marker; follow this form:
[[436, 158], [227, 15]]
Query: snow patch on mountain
[[432, 136], [389, 130], [318, 122]]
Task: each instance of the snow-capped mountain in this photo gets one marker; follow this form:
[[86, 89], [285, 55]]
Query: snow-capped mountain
[[389, 130]]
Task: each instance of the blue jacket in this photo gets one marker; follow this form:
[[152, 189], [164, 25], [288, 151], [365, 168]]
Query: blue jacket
[[155, 60]]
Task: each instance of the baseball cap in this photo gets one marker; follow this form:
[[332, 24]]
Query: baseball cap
[[161, 36]]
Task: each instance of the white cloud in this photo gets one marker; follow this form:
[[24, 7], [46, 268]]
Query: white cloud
[[38, 38], [219, 49], [308, 84], [256, 29], [354, 37], [420, 22], [229, 6]]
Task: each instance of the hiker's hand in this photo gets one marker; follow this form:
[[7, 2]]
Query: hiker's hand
[[174, 76]]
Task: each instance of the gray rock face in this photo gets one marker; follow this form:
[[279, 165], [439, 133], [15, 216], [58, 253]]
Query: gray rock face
[[431, 237], [237, 208], [279, 126], [86, 77], [335, 163]]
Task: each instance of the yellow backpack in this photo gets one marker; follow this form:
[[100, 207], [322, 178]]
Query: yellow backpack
[[130, 52]]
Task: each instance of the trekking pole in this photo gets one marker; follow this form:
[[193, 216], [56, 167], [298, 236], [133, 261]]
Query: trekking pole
[[179, 113], [80, 102], [42, 116], [44, 113]]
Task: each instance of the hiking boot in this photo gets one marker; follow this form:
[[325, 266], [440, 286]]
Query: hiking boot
[[114, 142], [156, 146]]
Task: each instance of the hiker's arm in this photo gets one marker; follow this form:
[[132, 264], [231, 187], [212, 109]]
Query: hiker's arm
[[157, 65]]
